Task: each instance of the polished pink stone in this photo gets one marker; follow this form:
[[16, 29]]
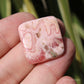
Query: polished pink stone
[[42, 39]]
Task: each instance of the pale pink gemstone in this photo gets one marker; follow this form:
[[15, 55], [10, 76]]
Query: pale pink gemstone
[[42, 39]]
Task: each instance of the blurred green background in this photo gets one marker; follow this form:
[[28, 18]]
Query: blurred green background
[[71, 12]]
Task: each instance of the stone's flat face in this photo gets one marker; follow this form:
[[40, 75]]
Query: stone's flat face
[[41, 39]]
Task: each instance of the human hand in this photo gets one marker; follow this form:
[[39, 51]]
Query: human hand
[[14, 67]]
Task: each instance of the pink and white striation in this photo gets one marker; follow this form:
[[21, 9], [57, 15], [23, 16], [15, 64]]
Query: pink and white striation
[[42, 39]]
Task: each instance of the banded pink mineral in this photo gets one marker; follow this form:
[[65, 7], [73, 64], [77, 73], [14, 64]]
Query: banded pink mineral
[[42, 39]]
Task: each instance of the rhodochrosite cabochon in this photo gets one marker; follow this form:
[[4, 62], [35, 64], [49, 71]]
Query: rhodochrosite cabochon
[[42, 39]]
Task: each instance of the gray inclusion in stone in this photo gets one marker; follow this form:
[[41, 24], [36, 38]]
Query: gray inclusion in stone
[[53, 54]]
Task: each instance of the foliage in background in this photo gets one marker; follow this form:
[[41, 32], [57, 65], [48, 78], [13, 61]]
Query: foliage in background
[[5, 6], [70, 11]]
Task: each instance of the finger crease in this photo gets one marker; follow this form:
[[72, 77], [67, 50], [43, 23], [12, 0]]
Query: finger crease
[[55, 74], [2, 37]]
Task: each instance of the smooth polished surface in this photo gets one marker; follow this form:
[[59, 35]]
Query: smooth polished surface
[[42, 39]]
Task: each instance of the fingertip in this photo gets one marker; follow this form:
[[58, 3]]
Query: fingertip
[[25, 15], [69, 46], [66, 80]]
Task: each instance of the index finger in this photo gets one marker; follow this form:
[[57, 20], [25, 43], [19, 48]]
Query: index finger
[[9, 30]]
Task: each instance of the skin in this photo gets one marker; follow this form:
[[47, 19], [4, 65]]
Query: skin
[[14, 67]]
